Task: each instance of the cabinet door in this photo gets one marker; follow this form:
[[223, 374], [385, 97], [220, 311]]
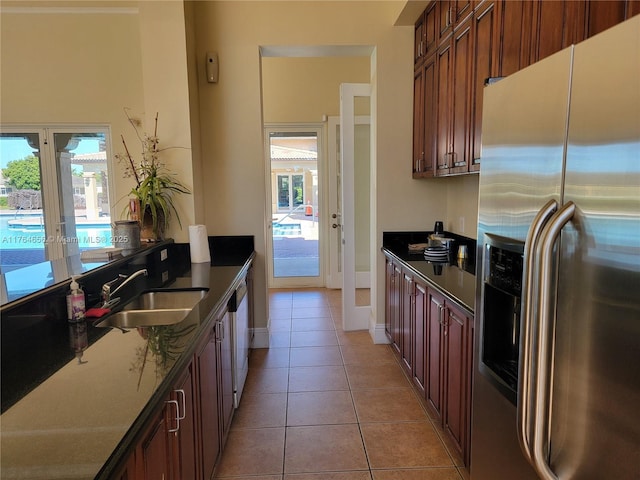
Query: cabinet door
[[405, 323], [604, 14], [461, 98], [155, 448], [391, 315], [454, 415], [226, 375], [556, 25], [485, 46], [207, 374], [444, 145], [397, 272], [419, 335], [187, 460], [433, 392], [429, 132], [418, 121], [446, 15], [515, 27], [418, 42], [430, 28]]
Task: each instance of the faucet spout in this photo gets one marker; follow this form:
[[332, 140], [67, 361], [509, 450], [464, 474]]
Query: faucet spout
[[108, 289]]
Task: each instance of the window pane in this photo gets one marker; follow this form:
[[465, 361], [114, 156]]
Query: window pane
[[283, 192], [298, 190], [83, 195], [22, 225]]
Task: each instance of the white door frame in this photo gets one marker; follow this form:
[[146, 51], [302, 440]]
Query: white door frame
[[334, 267], [353, 317]]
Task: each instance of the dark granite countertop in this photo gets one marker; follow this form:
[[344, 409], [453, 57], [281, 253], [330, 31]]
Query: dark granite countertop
[[453, 279], [83, 419]]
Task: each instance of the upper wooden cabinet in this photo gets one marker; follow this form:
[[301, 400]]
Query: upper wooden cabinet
[[451, 14], [567, 21], [461, 43]]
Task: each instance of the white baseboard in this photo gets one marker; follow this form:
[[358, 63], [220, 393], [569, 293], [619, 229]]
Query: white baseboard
[[377, 332], [260, 338]]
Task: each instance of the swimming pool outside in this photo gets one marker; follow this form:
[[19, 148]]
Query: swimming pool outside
[[23, 239], [26, 231]]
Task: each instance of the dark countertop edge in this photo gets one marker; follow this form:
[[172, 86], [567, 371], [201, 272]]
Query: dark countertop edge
[[213, 308], [429, 281]]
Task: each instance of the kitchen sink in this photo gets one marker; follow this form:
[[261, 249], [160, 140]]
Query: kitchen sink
[[166, 299], [154, 308], [145, 318]]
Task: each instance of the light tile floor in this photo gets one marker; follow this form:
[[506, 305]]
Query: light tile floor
[[324, 404]]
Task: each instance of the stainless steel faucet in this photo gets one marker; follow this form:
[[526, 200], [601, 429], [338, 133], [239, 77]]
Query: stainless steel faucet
[[107, 292]]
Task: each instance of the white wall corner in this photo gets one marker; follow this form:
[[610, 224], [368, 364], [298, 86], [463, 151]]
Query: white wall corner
[[260, 338]]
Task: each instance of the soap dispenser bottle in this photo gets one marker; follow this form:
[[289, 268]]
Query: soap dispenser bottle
[[75, 302]]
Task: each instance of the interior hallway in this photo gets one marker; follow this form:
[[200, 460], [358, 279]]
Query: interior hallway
[[324, 404]]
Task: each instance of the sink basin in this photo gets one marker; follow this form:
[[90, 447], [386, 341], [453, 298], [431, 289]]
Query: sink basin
[[153, 308], [145, 318], [166, 299]]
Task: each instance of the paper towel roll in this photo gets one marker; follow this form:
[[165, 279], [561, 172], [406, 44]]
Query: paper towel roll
[[199, 244]]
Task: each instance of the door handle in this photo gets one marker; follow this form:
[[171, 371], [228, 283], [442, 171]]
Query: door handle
[[525, 387], [183, 399], [546, 327], [177, 417]]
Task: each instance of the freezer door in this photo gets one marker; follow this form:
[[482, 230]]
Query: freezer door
[[524, 130], [595, 428]]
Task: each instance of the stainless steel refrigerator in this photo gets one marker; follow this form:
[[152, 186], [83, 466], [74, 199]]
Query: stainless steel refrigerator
[[556, 390]]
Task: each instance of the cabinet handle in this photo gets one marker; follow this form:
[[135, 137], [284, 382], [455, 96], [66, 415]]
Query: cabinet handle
[[183, 398], [177, 417], [219, 332]]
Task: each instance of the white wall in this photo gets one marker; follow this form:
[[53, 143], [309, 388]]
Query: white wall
[[231, 114], [84, 62]]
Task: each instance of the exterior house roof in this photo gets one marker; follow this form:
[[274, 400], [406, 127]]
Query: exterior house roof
[[279, 152]]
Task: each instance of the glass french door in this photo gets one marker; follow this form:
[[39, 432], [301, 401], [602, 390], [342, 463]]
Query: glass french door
[[54, 196], [290, 192], [293, 161]]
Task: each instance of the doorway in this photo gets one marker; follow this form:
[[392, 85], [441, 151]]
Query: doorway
[[294, 154]]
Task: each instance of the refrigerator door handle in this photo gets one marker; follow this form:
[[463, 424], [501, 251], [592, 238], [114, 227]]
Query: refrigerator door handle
[[544, 346], [525, 374]]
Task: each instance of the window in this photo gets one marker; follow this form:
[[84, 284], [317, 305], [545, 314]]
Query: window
[[55, 181]]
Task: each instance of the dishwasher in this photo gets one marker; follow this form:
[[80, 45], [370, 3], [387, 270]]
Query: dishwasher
[[240, 339]]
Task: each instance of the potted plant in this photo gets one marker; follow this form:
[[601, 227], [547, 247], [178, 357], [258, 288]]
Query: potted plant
[[152, 198]]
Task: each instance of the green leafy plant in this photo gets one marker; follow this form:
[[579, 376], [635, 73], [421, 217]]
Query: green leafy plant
[[156, 186], [163, 346]]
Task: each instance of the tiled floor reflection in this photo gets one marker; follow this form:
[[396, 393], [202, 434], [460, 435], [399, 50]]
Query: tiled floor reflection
[[324, 404]]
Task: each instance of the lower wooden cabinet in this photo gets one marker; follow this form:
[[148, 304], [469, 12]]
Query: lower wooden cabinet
[[215, 392], [168, 448], [185, 438], [435, 347], [457, 368], [208, 413], [185, 434]]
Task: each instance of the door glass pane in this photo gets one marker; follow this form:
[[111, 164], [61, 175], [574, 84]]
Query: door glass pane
[[22, 222], [83, 194], [294, 169]]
